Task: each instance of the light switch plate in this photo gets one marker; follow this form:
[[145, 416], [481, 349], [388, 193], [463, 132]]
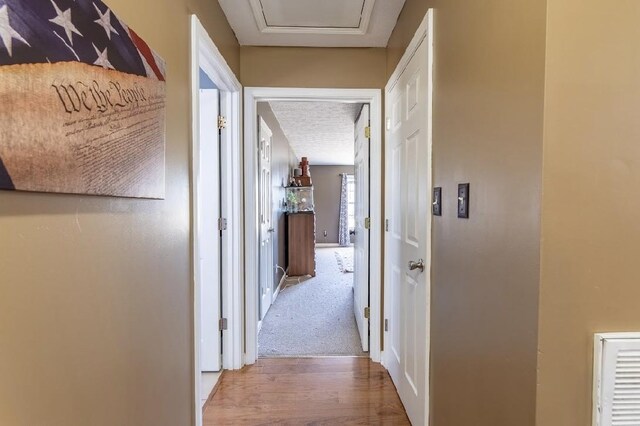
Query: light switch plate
[[463, 200], [437, 201]]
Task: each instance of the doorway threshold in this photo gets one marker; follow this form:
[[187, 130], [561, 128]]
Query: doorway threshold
[[365, 355]]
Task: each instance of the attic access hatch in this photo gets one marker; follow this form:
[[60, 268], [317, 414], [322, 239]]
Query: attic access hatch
[[312, 16], [312, 23], [616, 379]]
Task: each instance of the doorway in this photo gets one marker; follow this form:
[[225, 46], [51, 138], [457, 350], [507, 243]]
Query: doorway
[[208, 236], [311, 223], [216, 215], [253, 201]]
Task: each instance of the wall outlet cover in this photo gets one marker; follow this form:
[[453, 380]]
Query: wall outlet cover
[[463, 200], [437, 201]]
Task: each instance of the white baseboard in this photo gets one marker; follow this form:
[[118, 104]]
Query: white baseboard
[[327, 245], [321, 245], [208, 383], [277, 292]]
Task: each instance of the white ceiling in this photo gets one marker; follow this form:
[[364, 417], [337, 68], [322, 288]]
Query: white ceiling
[[314, 23], [321, 131]]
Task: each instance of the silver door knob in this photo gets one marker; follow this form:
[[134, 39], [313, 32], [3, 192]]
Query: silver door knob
[[270, 230], [416, 265]]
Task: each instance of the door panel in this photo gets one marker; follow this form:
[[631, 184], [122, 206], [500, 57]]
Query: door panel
[[412, 187], [208, 233], [267, 264], [361, 243], [409, 214], [395, 196], [410, 327], [395, 325]]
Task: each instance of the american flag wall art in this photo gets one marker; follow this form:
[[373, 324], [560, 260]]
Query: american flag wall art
[[82, 102]]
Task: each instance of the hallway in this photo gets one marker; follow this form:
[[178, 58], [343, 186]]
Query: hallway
[[289, 391]]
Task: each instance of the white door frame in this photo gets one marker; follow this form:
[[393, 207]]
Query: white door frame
[[205, 55], [425, 30], [253, 95], [361, 287]]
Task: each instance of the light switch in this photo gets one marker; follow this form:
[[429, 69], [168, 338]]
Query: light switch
[[437, 201], [463, 200]]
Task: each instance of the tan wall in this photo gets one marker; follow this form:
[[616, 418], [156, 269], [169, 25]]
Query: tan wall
[[591, 173], [312, 67], [327, 184], [95, 293], [488, 122], [213, 19], [408, 22]]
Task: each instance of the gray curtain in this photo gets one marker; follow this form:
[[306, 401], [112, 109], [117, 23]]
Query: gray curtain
[[343, 230]]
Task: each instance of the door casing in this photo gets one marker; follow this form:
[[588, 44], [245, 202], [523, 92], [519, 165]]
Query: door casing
[[253, 95]]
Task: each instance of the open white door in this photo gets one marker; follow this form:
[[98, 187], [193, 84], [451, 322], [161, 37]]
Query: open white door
[[361, 246], [265, 216], [208, 234], [407, 249]]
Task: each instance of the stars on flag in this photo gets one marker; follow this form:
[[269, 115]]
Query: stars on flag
[[104, 21], [52, 31], [103, 60], [7, 33], [64, 20]]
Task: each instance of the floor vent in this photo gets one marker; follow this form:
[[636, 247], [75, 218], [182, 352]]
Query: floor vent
[[616, 379]]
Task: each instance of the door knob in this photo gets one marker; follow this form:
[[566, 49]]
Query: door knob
[[416, 265], [270, 230]]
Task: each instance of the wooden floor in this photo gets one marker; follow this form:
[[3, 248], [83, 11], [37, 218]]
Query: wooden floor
[[301, 391]]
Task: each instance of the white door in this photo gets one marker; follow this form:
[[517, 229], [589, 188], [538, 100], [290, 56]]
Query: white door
[[361, 243], [267, 265], [208, 234], [407, 292]]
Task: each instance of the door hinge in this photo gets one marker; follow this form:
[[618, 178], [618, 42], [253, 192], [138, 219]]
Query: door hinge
[[367, 132], [367, 312], [222, 224], [222, 122], [367, 223], [386, 325], [222, 324], [386, 225]]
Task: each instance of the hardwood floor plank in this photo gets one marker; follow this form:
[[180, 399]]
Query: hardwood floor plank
[[310, 391]]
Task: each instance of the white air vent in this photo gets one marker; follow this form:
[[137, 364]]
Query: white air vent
[[616, 379]]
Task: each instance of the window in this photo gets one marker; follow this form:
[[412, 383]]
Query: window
[[351, 201]]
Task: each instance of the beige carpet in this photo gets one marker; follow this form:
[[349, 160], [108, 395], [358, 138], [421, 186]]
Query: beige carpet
[[344, 257], [313, 317]]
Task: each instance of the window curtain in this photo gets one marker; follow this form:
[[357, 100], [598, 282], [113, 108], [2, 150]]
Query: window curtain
[[343, 230]]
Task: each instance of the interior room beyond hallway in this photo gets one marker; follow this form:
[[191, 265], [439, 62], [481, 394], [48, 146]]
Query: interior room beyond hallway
[[313, 316]]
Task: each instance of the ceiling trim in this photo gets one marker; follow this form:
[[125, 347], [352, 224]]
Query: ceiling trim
[[263, 27]]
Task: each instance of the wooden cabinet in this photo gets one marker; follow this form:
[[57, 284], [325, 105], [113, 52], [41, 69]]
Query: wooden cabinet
[[301, 243]]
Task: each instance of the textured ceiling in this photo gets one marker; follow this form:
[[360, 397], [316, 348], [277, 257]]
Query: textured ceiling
[[321, 131]]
